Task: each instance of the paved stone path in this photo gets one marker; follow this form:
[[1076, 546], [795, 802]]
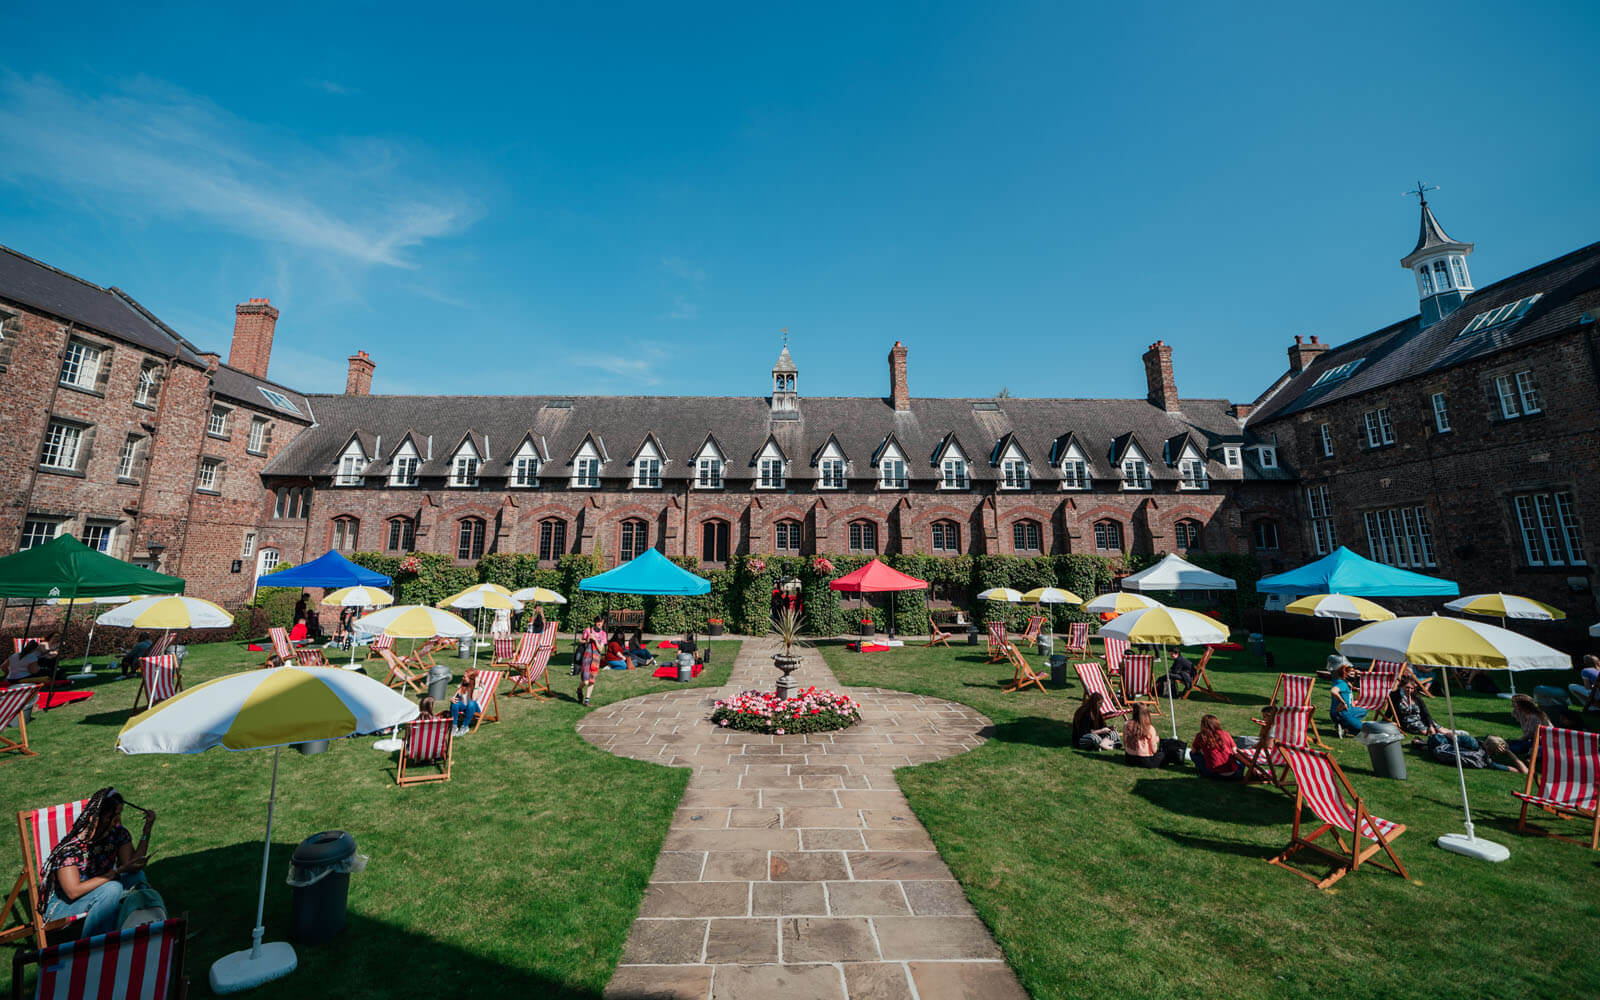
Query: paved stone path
[[794, 867]]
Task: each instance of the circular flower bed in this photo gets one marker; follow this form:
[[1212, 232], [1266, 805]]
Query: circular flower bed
[[812, 711]]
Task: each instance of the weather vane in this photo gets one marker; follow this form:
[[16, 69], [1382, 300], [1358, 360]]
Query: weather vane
[[785, 332], [1421, 191]]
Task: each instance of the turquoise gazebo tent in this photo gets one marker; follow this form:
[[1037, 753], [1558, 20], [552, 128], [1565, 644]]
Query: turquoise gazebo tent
[[1345, 572], [651, 573]]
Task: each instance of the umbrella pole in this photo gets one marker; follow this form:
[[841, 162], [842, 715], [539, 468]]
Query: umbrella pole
[[1171, 709], [266, 853], [239, 971], [1512, 673], [1470, 845]]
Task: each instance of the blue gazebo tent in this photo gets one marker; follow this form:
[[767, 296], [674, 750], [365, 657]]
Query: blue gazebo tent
[[330, 570], [1345, 572], [650, 573]]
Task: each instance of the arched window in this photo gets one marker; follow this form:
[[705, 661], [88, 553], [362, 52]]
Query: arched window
[[946, 538], [266, 561], [469, 538], [714, 541], [1187, 534], [1026, 536], [863, 536], [786, 537], [552, 539], [402, 534], [1107, 536], [1266, 535], [345, 530], [635, 539]]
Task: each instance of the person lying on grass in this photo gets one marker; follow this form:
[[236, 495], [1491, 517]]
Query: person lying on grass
[[1213, 751], [1089, 728], [95, 863]]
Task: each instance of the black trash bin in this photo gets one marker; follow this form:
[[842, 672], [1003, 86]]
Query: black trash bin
[[1058, 671], [320, 874]]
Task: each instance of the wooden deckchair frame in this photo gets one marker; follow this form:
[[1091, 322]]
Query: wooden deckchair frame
[[998, 641], [1148, 696], [1024, 675], [1562, 809], [537, 670], [400, 677], [1347, 858], [24, 693], [1077, 639], [484, 685], [1202, 680], [33, 922], [1110, 707], [439, 722]]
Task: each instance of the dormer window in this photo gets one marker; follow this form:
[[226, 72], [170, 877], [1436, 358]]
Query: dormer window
[[525, 467], [892, 474], [953, 474], [1192, 474], [831, 474], [1135, 470], [350, 465], [586, 473], [769, 468], [464, 472], [1267, 455], [404, 472], [708, 473], [647, 473], [1230, 457], [1014, 474]]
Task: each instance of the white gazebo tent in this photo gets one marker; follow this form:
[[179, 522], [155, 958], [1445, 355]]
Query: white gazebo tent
[[1176, 573]]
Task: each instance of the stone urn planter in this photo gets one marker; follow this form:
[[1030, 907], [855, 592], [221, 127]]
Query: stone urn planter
[[787, 664]]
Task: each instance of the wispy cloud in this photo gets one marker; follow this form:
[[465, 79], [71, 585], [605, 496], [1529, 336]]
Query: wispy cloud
[[682, 308], [678, 267], [332, 87], [637, 362], [148, 149]]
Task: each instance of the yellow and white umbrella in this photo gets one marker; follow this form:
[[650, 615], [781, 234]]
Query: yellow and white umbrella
[[538, 595], [78, 602], [1341, 608], [1121, 602], [1454, 642], [261, 709], [1001, 594], [413, 621], [171, 612], [478, 597], [1166, 626], [357, 597], [1503, 606], [1050, 595]]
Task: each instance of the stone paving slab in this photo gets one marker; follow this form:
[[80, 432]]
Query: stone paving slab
[[794, 866]]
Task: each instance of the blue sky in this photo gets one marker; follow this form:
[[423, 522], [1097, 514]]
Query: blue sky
[[637, 198]]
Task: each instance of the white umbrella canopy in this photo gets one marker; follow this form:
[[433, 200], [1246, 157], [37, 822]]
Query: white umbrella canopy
[[173, 611], [1001, 594], [358, 597], [1340, 607], [413, 621], [1454, 642], [538, 595], [482, 595], [1503, 606], [1050, 595], [261, 709], [1120, 603]]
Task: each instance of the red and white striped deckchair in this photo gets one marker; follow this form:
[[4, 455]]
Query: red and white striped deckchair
[[310, 656], [12, 701], [483, 692], [428, 741], [137, 963], [1035, 626], [535, 673], [1094, 682], [400, 676], [506, 648], [1569, 780], [1321, 785], [1024, 673], [1374, 686], [1138, 681], [1290, 691], [1077, 638], [1116, 649], [282, 648], [1264, 762], [41, 830], [17, 644], [1202, 680], [159, 679], [378, 643], [162, 643], [997, 641]]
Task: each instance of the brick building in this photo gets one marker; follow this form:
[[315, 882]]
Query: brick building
[[115, 428], [1463, 441]]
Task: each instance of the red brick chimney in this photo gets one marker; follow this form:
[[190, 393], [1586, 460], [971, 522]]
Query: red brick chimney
[[1302, 354], [359, 380], [1163, 388], [253, 324], [899, 388]]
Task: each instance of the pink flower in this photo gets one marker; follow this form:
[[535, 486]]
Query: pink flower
[[724, 722], [780, 732]]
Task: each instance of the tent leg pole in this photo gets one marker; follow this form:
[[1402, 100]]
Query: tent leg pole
[[33, 602]]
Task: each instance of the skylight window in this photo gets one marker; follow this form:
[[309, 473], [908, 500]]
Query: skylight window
[[1507, 313], [278, 399], [1338, 373]]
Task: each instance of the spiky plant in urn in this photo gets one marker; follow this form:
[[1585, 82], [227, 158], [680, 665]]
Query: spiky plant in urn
[[786, 628]]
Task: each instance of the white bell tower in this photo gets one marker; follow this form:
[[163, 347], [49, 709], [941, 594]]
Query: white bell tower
[[1440, 265]]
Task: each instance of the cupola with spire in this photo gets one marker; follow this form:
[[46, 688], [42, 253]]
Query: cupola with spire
[[1440, 264], [785, 378]]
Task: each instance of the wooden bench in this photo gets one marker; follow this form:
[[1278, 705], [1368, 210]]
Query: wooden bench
[[625, 618]]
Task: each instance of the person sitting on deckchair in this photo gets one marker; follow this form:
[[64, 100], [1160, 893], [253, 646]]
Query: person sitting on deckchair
[[1587, 691], [1409, 708], [94, 864], [130, 660], [24, 663], [464, 709], [1214, 748], [1181, 673], [1341, 706], [1530, 717], [1089, 728]]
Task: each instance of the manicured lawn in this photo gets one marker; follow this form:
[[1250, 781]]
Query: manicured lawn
[[519, 877], [1102, 880]]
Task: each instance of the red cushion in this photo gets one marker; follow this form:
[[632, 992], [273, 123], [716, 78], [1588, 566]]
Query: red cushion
[[664, 644], [1223, 645], [671, 672], [55, 699]]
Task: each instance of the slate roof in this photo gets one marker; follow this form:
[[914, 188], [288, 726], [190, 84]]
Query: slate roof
[[741, 427], [245, 388], [1431, 236], [1569, 286], [39, 286]]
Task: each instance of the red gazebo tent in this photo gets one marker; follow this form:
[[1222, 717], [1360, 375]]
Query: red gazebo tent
[[876, 577]]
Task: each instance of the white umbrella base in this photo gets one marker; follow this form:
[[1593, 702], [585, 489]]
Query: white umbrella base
[[389, 745], [238, 971], [1505, 694], [1474, 847], [353, 666]]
